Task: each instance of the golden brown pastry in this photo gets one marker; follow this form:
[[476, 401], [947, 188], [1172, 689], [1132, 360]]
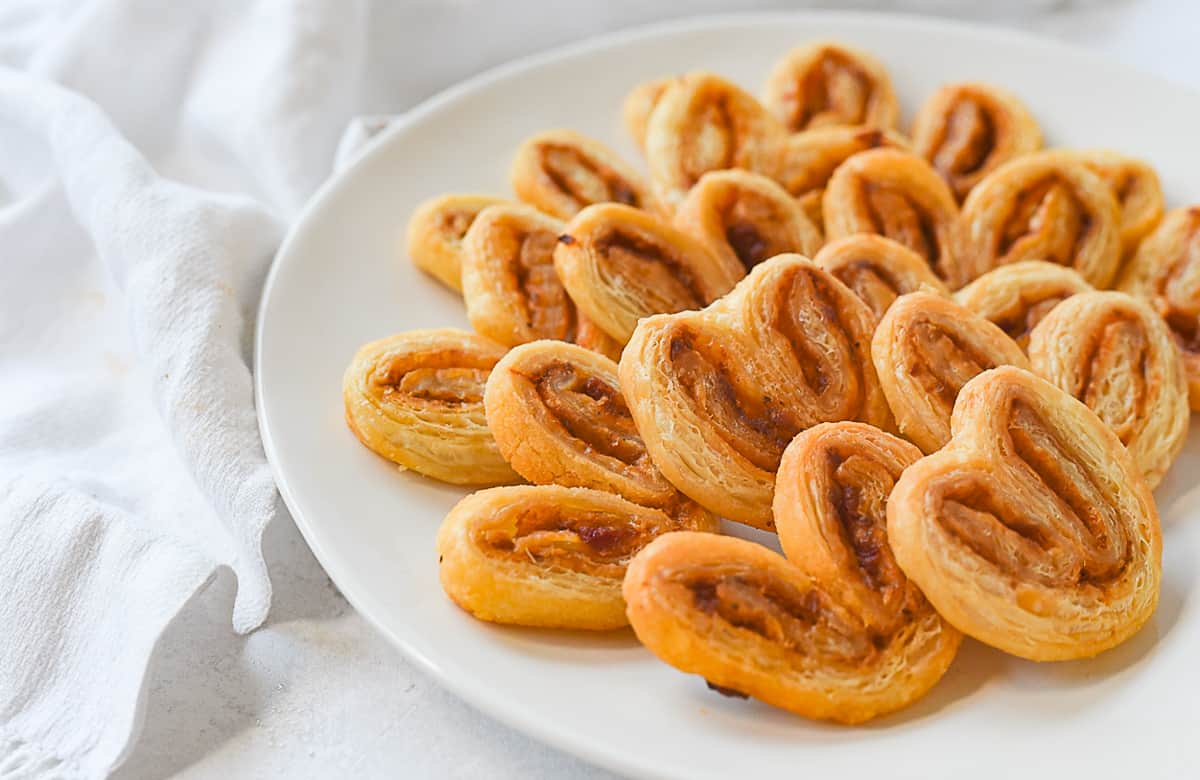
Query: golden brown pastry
[[704, 123], [1033, 530], [1017, 296], [718, 394], [878, 269], [1166, 269], [811, 157], [436, 230], [545, 555], [1113, 352], [1044, 206], [829, 83], [562, 172], [925, 349], [1137, 190], [620, 264], [967, 130], [897, 195], [416, 398], [753, 624], [639, 104], [746, 217], [558, 416]]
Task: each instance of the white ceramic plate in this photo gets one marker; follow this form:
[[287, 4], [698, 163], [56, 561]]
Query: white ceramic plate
[[341, 280]]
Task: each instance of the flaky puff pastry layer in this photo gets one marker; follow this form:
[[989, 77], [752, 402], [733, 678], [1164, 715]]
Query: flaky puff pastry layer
[[1044, 206], [1113, 352], [558, 416], [1136, 187], [1017, 296], [436, 231], [1032, 530], [897, 195], [1166, 270], [811, 157], [545, 555], [746, 217], [416, 398], [562, 172], [718, 394], [753, 624], [512, 291], [639, 104], [925, 349], [704, 123], [830, 83], [620, 264], [878, 269], [968, 129]]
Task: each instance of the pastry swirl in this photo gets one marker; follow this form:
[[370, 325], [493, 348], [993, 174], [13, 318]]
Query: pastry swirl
[[436, 231], [545, 555], [416, 398], [878, 269], [562, 172], [510, 286], [558, 416], [1033, 530], [1113, 352], [1044, 206], [897, 195], [620, 264], [1166, 269], [828, 83], [967, 130], [1136, 187], [639, 104], [704, 123], [746, 217], [925, 349], [718, 394], [811, 157], [1017, 296]]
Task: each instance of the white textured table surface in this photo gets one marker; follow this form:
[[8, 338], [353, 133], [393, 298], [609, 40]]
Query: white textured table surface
[[316, 693]]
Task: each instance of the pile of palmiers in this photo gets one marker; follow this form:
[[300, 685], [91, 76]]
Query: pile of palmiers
[[945, 369]]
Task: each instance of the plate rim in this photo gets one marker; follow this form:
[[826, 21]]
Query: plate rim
[[507, 714]]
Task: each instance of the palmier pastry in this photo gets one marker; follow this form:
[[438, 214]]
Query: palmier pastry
[[1166, 269], [545, 555], [897, 195], [436, 231], [925, 349], [878, 269], [639, 104], [753, 624], [417, 399], [1033, 530], [512, 291], [746, 217], [704, 123], [1044, 206], [1137, 190], [558, 416], [562, 172], [718, 394], [969, 129], [811, 157], [1017, 296], [827, 83], [620, 264], [1113, 352]]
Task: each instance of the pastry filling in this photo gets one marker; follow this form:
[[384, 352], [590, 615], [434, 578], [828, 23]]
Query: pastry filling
[[1180, 291], [1046, 222], [757, 229], [967, 142], [872, 283], [548, 310], [444, 379], [941, 362], [753, 424], [712, 142], [1113, 382], [834, 92], [656, 274], [583, 180], [894, 216], [455, 224], [591, 411], [1020, 323]]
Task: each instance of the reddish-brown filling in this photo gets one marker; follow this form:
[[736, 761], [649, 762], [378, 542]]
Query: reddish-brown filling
[[548, 310], [451, 377], [713, 142], [872, 284], [968, 139], [656, 271], [1047, 222], [590, 410], [585, 541], [942, 362], [1113, 382], [893, 215], [1020, 324], [834, 92], [585, 180]]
